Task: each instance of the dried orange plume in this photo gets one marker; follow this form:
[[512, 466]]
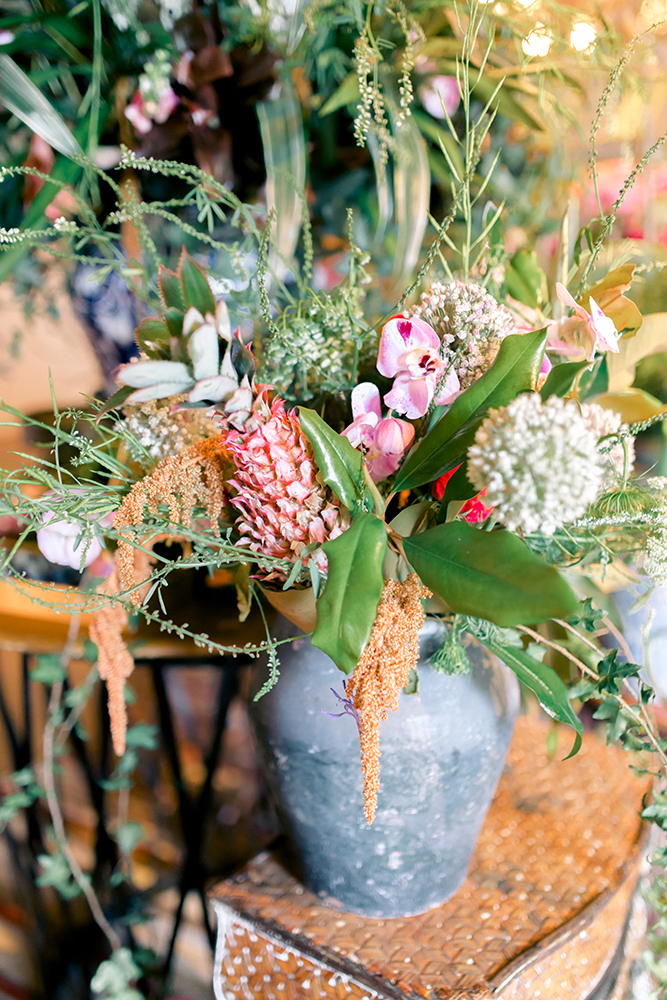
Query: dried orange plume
[[194, 478], [383, 670], [114, 660]]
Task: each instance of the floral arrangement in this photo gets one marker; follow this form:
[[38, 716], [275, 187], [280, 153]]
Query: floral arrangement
[[468, 456], [470, 474]]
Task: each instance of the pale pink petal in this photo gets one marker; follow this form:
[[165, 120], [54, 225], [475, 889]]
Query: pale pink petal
[[393, 436], [450, 390], [568, 300], [361, 430], [606, 336], [410, 396], [366, 400], [168, 103], [380, 466]]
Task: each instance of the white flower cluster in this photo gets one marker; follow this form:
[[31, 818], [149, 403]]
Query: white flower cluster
[[130, 159], [655, 557], [65, 226], [538, 463], [163, 433], [603, 422], [470, 323], [11, 235], [172, 10], [123, 12], [155, 80]]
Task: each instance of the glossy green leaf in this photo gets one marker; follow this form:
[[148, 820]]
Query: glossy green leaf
[[544, 682], [153, 338], [196, 289], [489, 574], [525, 280], [515, 370], [340, 464], [347, 608], [20, 95], [561, 379], [459, 486], [171, 289]]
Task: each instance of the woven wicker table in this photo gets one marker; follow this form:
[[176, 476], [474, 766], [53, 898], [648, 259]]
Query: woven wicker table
[[545, 911]]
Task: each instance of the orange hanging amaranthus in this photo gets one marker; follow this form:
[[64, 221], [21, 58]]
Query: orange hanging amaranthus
[[194, 478], [382, 672]]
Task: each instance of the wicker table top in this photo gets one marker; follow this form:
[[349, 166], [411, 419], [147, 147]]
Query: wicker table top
[[556, 860]]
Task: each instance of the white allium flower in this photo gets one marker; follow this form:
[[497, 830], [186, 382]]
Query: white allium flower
[[538, 463], [470, 324]]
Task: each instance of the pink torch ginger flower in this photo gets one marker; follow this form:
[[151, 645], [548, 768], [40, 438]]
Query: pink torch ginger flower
[[383, 440], [410, 349], [282, 503], [587, 332]]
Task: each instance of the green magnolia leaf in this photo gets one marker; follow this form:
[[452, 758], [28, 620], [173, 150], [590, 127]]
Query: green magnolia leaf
[[340, 464], [459, 487], [489, 574], [544, 682], [196, 289], [153, 338], [515, 370], [525, 280], [561, 379], [347, 608], [171, 289], [20, 95]]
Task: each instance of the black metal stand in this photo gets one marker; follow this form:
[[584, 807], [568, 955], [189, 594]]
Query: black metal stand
[[193, 810]]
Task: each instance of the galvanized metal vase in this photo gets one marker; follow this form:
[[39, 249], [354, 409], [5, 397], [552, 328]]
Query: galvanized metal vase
[[442, 755]]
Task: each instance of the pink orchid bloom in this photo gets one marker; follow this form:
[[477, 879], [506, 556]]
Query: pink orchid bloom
[[587, 332], [410, 351], [383, 440]]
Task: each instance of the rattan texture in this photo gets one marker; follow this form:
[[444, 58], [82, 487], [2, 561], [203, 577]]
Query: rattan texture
[[541, 913]]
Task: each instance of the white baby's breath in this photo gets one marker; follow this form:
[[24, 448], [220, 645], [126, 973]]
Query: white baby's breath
[[538, 463]]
